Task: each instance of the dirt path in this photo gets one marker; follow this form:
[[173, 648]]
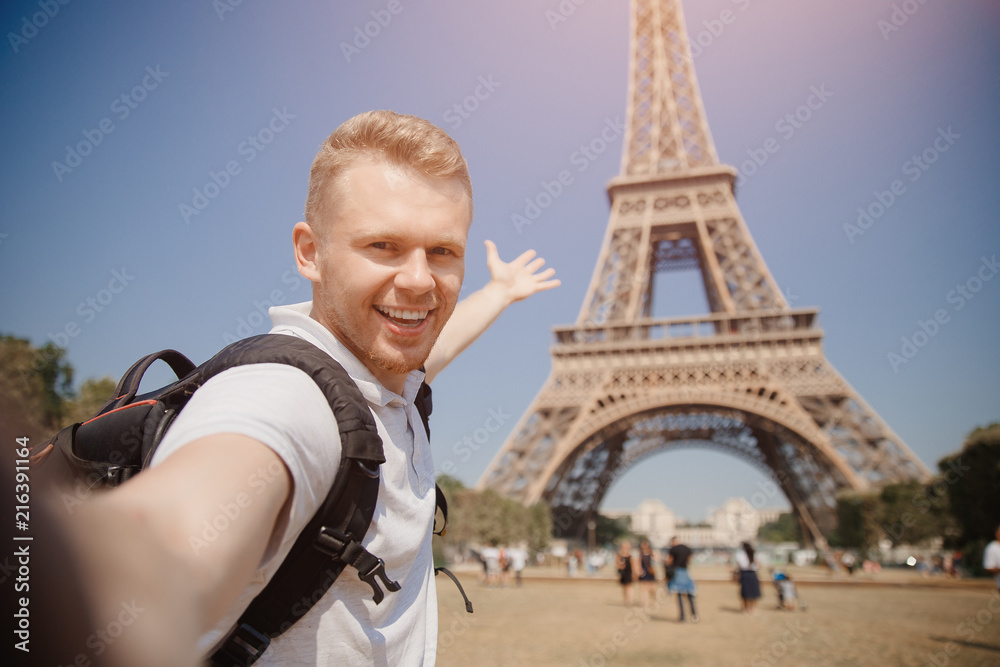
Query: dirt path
[[584, 622]]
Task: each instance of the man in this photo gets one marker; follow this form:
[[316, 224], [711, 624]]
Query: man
[[991, 556], [383, 243], [680, 582]]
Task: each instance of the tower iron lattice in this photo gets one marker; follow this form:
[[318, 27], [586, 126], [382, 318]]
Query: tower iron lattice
[[749, 379]]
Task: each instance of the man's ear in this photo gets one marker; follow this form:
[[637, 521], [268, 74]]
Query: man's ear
[[306, 244]]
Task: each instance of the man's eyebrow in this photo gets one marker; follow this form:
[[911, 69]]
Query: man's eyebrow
[[375, 234]]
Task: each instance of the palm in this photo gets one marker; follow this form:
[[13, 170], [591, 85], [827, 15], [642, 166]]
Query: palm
[[521, 277]]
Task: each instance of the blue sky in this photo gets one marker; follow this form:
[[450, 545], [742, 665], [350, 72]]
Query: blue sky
[[220, 108]]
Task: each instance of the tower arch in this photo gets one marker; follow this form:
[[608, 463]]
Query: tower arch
[[808, 474]]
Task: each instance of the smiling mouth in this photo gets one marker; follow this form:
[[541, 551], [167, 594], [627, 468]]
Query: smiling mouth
[[402, 316]]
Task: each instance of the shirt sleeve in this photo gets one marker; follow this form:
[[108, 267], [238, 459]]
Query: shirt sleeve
[[281, 407]]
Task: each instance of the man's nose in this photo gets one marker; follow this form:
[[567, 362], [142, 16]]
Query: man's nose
[[415, 274]]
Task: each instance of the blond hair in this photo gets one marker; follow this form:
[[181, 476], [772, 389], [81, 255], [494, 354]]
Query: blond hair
[[386, 137]]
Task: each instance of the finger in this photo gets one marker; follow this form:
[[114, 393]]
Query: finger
[[546, 274], [535, 264], [491, 250], [524, 257]]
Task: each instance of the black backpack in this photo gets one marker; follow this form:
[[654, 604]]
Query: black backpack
[[119, 442]]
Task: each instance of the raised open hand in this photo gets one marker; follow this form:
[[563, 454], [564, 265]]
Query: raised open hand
[[521, 277]]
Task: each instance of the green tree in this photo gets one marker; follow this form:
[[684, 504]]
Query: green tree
[[906, 513], [539, 527], [36, 382], [858, 521], [972, 479], [485, 517], [913, 512], [783, 529], [973, 482], [609, 531], [450, 485], [91, 397]]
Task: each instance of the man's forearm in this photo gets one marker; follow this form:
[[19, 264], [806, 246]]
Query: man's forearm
[[473, 315]]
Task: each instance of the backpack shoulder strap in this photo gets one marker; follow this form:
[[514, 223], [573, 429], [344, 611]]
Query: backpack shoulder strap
[[332, 538], [359, 435], [424, 406]]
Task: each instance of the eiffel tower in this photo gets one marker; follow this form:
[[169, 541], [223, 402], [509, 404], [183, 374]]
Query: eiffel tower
[[749, 379]]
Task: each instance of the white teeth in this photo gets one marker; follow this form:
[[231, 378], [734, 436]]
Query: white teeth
[[403, 314]]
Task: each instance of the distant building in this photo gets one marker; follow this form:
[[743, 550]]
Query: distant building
[[736, 521]]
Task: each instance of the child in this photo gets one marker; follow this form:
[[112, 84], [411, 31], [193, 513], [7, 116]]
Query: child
[[787, 595]]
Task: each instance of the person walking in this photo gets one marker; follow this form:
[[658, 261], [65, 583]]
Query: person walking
[[991, 557], [679, 581], [749, 583], [647, 577], [518, 559], [626, 566]]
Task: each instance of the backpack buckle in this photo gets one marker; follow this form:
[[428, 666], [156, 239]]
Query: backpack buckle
[[378, 570], [332, 542], [345, 548]]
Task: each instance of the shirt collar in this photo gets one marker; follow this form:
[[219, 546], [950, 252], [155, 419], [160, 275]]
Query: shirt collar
[[295, 319]]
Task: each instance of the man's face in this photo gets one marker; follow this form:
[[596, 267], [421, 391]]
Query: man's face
[[391, 261]]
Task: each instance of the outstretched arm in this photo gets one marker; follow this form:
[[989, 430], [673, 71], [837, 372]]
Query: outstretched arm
[[144, 544], [510, 282]]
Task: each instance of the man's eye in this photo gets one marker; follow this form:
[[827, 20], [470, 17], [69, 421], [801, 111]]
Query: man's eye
[[440, 251], [381, 245]]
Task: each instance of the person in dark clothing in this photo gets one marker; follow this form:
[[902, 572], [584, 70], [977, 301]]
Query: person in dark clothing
[[749, 583], [647, 577], [680, 582], [626, 566]]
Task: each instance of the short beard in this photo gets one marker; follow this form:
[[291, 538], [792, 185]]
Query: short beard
[[398, 367], [393, 366]]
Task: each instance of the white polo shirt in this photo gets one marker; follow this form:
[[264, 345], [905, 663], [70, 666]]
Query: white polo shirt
[[284, 409]]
